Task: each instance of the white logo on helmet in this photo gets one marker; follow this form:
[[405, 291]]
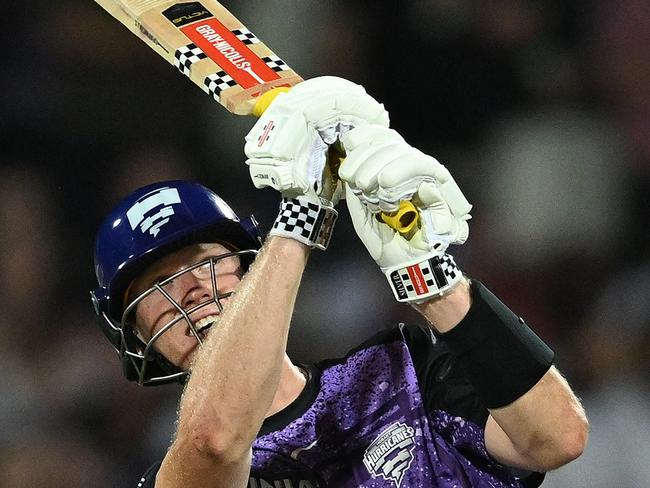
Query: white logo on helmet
[[390, 454], [140, 213]]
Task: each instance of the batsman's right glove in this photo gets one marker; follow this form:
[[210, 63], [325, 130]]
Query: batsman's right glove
[[381, 170]]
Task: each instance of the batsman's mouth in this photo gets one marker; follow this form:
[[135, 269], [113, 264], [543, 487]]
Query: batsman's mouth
[[203, 326]]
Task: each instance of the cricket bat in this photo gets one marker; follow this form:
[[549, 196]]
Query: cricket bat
[[210, 46]]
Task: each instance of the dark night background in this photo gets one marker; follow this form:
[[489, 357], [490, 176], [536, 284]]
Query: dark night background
[[540, 109]]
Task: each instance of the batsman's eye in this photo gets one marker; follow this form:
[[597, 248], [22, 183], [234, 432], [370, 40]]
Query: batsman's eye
[[222, 266], [165, 281], [202, 272]]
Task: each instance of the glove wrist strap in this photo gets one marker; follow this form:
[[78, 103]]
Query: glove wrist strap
[[306, 221], [419, 281]]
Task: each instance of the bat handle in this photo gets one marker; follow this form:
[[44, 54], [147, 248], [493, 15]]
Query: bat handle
[[265, 99], [404, 220]]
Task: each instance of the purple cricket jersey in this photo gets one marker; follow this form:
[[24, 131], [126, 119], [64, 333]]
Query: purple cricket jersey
[[393, 413]]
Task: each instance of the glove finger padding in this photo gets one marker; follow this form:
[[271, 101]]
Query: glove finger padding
[[328, 100], [335, 116], [367, 166], [415, 269], [362, 145], [438, 218], [365, 161], [449, 191], [401, 179], [383, 170], [372, 234], [287, 147]]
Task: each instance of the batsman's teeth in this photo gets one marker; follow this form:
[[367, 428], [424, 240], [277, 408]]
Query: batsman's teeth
[[205, 323]]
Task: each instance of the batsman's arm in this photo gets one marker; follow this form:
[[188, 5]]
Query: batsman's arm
[[536, 422], [236, 374], [542, 430]]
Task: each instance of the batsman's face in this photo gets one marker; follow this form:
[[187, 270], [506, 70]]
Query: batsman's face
[[184, 293]]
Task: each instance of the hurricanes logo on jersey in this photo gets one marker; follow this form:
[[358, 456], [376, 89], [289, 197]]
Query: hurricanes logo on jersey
[[390, 454], [141, 213]]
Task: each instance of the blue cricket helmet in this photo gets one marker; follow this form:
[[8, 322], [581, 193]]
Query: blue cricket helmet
[[150, 223]]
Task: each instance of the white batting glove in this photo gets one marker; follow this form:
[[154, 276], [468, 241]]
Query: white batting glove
[[287, 147], [380, 170]]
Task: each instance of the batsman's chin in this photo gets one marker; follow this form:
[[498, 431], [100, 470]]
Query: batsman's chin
[[187, 359]]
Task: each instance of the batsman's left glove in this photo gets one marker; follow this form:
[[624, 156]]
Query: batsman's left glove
[[381, 170]]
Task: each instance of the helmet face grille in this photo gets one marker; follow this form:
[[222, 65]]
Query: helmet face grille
[[141, 358], [153, 222]]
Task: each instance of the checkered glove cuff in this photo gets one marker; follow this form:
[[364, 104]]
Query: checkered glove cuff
[[418, 282], [306, 221]]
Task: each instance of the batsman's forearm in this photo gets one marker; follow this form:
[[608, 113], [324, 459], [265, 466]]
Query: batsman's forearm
[[444, 313], [536, 421], [237, 371], [546, 427]]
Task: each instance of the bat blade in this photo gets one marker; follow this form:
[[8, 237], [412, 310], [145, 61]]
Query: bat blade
[[219, 54], [207, 44]]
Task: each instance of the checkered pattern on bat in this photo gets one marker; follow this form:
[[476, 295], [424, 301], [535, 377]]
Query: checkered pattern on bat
[[275, 63], [217, 82], [245, 36], [186, 56]]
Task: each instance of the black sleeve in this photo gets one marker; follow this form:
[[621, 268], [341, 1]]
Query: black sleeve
[[499, 353], [148, 479], [443, 384]]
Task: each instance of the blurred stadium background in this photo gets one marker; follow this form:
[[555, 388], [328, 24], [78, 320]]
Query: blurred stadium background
[[541, 110]]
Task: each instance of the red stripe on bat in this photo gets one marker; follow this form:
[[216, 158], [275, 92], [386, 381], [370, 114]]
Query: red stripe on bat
[[223, 47], [419, 285]]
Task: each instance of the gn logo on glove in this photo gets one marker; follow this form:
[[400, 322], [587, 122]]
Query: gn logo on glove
[[264, 136]]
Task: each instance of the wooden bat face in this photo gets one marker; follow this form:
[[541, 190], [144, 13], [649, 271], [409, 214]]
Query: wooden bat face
[[219, 54], [209, 45]]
